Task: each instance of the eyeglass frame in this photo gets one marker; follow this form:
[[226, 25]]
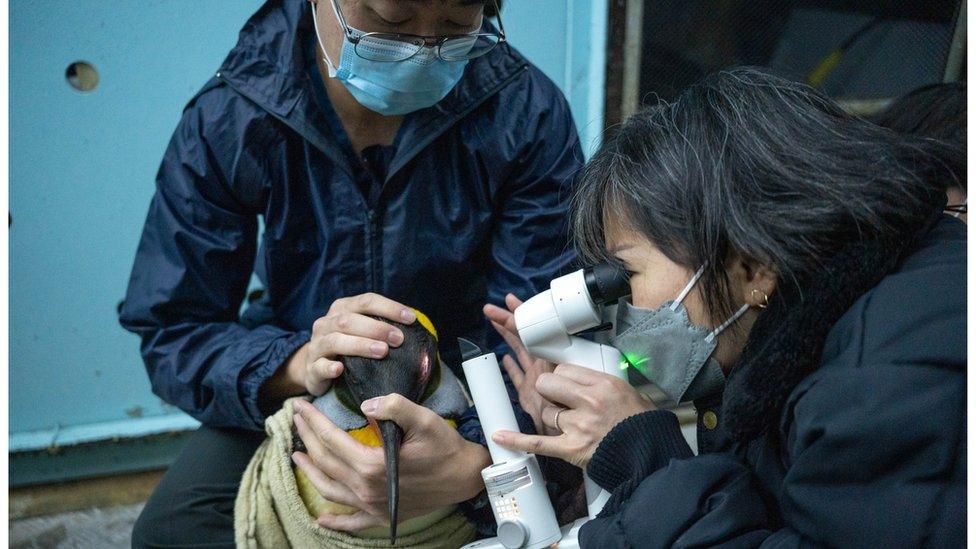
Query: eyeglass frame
[[440, 40]]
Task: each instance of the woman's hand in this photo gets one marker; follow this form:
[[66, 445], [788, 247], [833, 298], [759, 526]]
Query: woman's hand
[[589, 404], [344, 330], [437, 466], [527, 369]]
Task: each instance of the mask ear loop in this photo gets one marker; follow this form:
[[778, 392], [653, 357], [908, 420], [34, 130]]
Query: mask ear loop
[[957, 212], [742, 310], [691, 284], [684, 293], [315, 24]]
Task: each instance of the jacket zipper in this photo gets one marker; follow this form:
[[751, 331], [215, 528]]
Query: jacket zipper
[[373, 247], [373, 236]]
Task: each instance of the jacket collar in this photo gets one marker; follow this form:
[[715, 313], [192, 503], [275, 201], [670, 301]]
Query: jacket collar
[[787, 341], [268, 67]]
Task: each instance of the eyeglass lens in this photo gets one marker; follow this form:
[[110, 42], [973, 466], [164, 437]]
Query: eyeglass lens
[[382, 47]]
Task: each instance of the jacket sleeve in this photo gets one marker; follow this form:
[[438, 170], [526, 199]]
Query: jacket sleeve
[[188, 281], [878, 457], [537, 157], [875, 459], [530, 239], [663, 496], [529, 242]]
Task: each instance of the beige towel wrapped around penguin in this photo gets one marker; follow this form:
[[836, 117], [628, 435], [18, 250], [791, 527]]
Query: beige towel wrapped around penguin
[[276, 504]]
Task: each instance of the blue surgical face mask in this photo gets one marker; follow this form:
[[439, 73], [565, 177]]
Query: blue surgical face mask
[[392, 88], [670, 351]]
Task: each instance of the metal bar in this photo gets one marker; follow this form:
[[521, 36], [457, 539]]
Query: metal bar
[[957, 49], [633, 39], [616, 30], [94, 432], [568, 47], [95, 459], [597, 75]]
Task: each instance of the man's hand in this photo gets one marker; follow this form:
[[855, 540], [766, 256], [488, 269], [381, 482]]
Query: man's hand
[[344, 330], [589, 404], [527, 369], [437, 466]]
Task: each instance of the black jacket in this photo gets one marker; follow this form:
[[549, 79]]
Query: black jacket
[[865, 449]]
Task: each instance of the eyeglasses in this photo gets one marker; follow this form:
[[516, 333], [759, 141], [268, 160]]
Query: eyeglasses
[[384, 46]]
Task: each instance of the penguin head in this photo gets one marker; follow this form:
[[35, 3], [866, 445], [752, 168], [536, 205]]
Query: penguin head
[[405, 370]]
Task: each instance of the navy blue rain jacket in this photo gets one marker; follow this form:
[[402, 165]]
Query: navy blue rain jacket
[[869, 450], [473, 205]]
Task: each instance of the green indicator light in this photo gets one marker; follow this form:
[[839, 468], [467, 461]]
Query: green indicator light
[[634, 360]]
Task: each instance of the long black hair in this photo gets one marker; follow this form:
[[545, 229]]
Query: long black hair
[[747, 164], [936, 111]]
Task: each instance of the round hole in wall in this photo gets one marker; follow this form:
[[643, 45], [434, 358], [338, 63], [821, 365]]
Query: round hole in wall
[[82, 76]]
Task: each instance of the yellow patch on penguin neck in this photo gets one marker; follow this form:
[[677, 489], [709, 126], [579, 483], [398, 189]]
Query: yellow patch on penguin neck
[[425, 322], [313, 500]]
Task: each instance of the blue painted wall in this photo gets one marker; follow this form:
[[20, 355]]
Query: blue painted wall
[[82, 167]]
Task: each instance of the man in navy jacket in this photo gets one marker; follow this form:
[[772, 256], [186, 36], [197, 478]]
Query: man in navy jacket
[[364, 212]]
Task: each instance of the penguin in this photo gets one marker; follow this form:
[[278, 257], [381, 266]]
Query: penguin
[[411, 370]]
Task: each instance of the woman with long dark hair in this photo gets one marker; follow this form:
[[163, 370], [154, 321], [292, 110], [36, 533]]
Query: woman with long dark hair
[[793, 274]]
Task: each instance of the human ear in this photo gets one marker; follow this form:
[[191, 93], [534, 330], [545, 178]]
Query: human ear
[[755, 282]]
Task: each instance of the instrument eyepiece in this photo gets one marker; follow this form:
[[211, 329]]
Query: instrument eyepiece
[[606, 282]]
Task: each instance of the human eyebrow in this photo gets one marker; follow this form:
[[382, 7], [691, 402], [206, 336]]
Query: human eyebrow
[[619, 248], [618, 255]]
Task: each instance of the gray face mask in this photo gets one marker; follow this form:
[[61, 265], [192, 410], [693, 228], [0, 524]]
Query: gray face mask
[[670, 351]]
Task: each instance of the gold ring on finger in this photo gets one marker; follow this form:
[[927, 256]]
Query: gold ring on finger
[[555, 420]]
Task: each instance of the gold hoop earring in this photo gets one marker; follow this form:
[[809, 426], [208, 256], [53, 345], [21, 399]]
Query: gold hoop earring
[[765, 302]]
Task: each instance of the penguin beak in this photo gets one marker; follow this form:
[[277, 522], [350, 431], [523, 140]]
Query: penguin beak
[[406, 371], [392, 436]]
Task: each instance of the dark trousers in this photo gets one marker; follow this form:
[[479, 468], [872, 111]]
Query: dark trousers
[[193, 506]]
